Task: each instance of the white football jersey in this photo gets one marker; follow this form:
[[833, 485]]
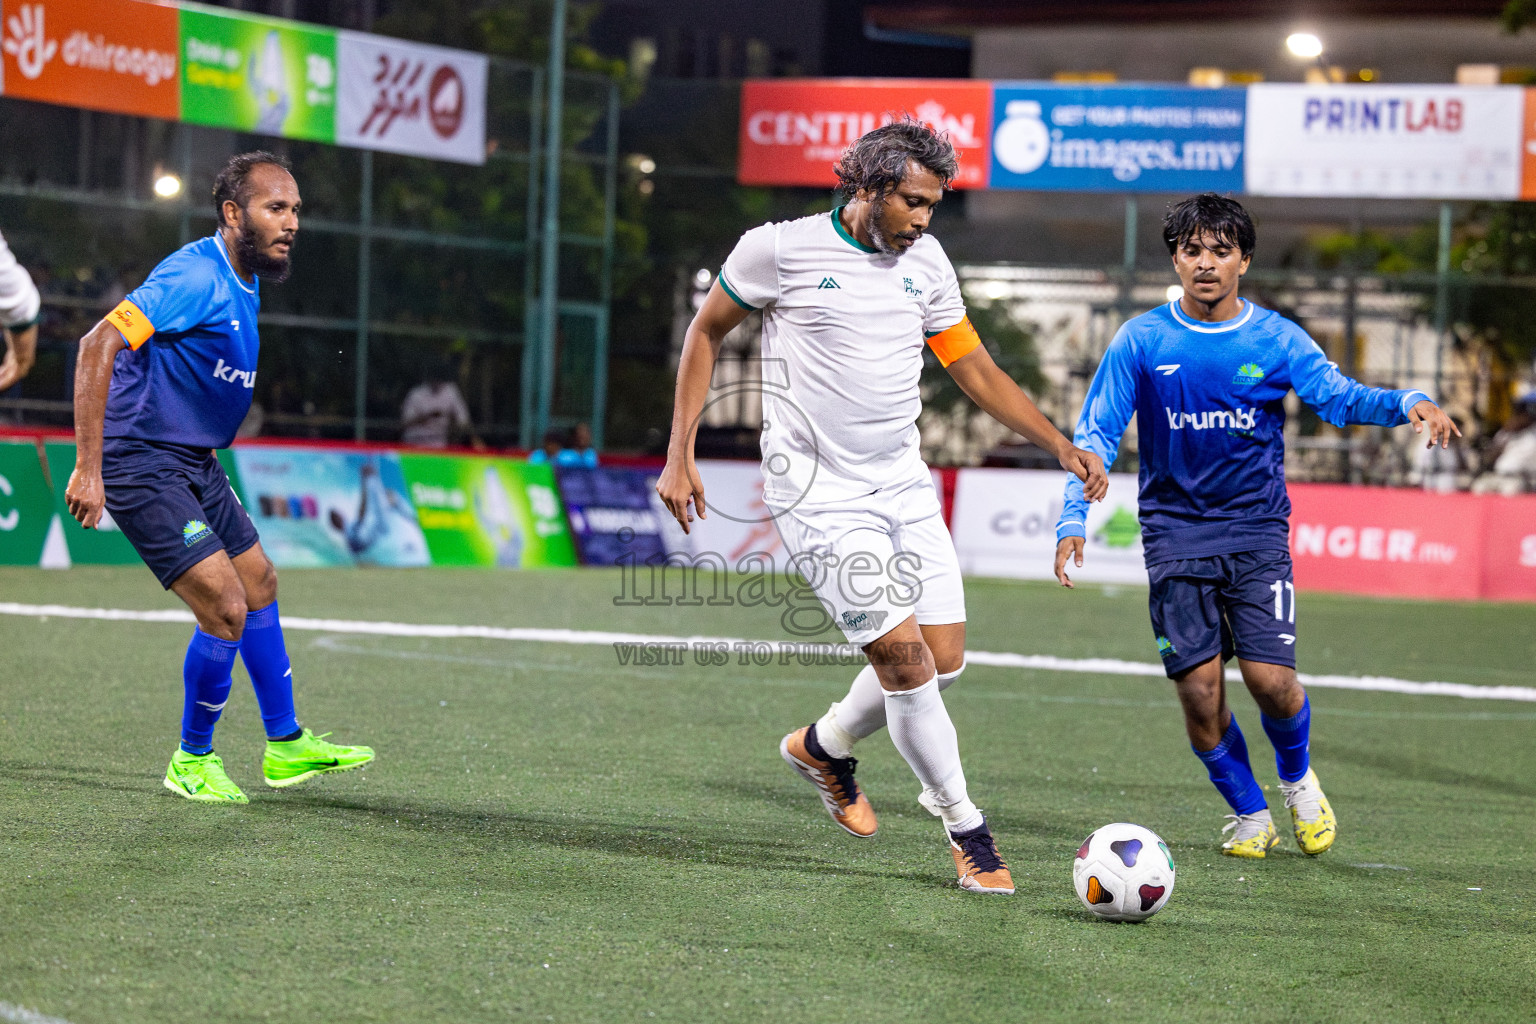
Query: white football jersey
[[843, 334], [19, 301]]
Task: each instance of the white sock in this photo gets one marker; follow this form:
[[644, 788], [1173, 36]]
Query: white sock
[[925, 737], [862, 712]]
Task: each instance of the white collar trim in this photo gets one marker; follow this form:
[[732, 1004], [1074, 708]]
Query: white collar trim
[[218, 240], [1221, 328]]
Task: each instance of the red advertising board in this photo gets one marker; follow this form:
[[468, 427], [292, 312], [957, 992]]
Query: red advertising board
[[114, 55], [1406, 543], [794, 130], [1509, 548], [1528, 147]]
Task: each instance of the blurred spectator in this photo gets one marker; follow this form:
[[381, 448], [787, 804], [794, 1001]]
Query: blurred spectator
[[1443, 469], [1512, 452], [559, 450], [20, 305], [433, 412], [254, 421]]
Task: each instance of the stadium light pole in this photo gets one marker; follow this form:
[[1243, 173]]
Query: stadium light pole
[[549, 276]]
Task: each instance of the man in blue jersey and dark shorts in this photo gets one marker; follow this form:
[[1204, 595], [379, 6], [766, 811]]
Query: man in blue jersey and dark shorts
[[1206, 376], [163, 380]]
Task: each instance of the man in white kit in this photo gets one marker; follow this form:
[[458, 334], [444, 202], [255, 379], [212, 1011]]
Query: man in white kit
[[20, 306], [848, 299]]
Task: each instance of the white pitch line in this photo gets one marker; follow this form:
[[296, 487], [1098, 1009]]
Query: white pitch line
[[601, 638], [22, 1015]]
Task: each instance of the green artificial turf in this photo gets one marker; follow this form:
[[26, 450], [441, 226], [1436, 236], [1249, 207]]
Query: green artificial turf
[[550, 835]]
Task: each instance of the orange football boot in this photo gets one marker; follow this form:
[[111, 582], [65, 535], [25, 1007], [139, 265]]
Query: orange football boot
[[976, 858], [833, 779]]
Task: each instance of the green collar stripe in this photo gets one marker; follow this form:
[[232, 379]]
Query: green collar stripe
[[837, 222], [734, 297]]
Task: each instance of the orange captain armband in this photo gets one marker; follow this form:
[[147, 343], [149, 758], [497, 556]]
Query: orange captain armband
[[131, 323], [953, 342]]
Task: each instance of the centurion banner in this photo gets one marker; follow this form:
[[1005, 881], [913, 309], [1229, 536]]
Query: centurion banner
[[248, 73], [794, 130]]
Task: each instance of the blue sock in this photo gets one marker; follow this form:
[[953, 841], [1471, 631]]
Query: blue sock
[[1290, 737], [205, 674], [266, 659], [1232, 774]]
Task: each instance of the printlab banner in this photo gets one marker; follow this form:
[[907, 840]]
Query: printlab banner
[[112, 55], [319, 507], [1004, 524], [793, 131], [411, 98], [1398, 141], [487, 511], [1117, 138], [258, 74]]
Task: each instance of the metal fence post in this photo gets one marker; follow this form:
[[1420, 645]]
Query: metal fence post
[[526, 410], [1128, 259], [549, 273], [364, 290], [1442, 298], [600, 338]]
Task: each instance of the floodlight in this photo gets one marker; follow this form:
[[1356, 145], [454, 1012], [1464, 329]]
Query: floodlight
[[1304, 45], [167, 186], [1174, 293]]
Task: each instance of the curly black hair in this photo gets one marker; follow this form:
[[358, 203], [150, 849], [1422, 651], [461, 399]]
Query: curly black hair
[[1209, 214], [234, 181], [878, 160]]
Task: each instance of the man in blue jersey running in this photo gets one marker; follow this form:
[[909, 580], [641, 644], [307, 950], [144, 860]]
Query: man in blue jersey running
[[1205, 376], [163, 380]]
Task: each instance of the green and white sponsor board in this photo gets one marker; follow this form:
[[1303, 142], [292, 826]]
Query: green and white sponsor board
[[258, 74], [488, 511], [104, 545], [26, 504]]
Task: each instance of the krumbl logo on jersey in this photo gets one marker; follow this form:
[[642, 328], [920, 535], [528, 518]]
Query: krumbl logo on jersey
[[112, 55]]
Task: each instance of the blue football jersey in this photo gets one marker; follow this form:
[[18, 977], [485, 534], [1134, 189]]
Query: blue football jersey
[[1210, 419], [187, 376]]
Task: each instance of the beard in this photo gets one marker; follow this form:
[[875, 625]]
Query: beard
[[883, 237], [254, 260]]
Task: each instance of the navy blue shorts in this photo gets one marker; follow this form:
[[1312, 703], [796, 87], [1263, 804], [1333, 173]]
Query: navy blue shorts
[[1243, 604], [174, 504]]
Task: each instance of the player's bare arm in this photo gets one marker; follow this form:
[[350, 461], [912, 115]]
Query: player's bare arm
[[20, 353], [1426, 415], [999, 397], [85, 495], [680, 487]]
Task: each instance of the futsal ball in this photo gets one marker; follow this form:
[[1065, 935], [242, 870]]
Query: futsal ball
[[1123, 872]]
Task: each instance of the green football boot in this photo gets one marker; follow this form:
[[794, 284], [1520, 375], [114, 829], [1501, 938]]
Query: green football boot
[[290, 763], [201, 777]]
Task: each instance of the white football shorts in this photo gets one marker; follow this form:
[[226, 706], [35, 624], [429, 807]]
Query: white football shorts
[[877, 559]]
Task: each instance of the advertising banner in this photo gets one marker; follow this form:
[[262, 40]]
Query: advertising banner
[[26, 504], [1004, 524], [1396, 543], [317, 507], [1509, 548], [255, 74], [1390, 141], [487, 511], [112, 55], [1528, 147], [411, 98], [793, 131], [103, 545], [1117, 138], [611, 513]]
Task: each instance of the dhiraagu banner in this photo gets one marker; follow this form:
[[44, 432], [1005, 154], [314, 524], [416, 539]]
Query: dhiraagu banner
[[488, 511], [258, 74], [26, 504]]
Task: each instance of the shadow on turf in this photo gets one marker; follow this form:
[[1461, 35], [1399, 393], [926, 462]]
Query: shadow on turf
[[1423, 771], [686, 843], [76, 775]]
